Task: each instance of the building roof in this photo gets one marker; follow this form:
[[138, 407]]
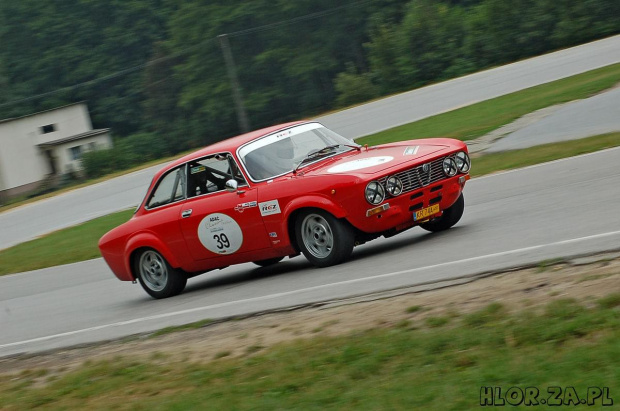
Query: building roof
[[6, 120], [76, 137]]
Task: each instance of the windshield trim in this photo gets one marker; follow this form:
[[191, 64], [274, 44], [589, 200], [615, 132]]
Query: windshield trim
[[266, 140]]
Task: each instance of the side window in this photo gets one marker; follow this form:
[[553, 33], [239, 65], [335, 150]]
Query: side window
[[169, 189], [209, 174]]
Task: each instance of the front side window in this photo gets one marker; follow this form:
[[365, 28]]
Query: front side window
[[210, 174], [284, 151], [169, 189]]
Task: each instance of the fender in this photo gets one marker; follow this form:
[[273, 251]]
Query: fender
[[280, 224], [315, 201], [148, 239]]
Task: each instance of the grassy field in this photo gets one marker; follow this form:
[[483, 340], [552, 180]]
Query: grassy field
[[65, 246], [436, 365], [478, 119], [79, 243], [491, 163], [465, 123]]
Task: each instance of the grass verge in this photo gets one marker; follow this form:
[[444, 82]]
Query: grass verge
[[465, 123], [478, 119], [439, 367], [79, 243], [65, 246], [494, 162]]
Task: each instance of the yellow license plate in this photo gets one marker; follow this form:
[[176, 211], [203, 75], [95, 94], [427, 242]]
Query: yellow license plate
[[425, 212]]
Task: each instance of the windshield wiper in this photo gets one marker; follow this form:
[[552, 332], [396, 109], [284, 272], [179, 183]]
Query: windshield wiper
[[324, 151]]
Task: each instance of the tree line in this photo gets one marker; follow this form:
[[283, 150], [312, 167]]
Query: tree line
[[153, 70]]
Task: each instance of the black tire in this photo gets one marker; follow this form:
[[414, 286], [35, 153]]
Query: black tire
[[449, 217], [268, 262], [322, 238], [156, 276]]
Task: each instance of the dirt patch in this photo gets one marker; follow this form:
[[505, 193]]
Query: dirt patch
[[584, 280]]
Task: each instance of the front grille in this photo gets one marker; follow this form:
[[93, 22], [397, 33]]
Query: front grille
[[415, 178]]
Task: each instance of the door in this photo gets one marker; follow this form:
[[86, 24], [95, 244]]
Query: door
[[216, 222]]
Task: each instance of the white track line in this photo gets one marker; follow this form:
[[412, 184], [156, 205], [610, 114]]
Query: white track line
[[318, 287]]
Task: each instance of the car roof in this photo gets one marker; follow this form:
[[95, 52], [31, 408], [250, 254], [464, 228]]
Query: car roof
[[230, 144]]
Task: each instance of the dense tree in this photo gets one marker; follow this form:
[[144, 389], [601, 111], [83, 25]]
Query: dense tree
[[155, 68]]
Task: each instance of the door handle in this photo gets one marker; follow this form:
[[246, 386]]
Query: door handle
[[186, 213]]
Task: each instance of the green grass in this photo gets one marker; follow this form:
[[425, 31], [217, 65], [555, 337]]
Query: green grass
[[80, 243], [65, 246], [478, 119], [491, 163], [435, 368]]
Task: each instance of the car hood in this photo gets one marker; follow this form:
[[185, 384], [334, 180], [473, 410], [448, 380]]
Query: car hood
[[379, 159]]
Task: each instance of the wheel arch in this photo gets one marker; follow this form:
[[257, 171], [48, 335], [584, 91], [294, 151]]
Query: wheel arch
[[294, 214], [145, 241]]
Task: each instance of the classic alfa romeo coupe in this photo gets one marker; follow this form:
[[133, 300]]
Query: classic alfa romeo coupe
[[281, 191]]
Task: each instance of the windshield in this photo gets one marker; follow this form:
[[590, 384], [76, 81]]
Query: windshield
[[287, 150]]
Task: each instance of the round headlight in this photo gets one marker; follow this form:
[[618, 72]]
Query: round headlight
[[394, 186], [449, 167], [462, 161], [375, 193]]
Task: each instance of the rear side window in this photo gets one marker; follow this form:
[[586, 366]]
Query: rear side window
[[169, 189]]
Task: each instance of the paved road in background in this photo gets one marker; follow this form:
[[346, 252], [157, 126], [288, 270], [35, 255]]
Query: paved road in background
[[24, 223], [511, 219], [589, 117], [428, 101]]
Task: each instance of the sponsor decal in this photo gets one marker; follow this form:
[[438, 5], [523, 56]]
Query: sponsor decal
[[241, 207], [360, 164], [220, 234], [197, 169], [411, 151], [273, 235], [284, 133], [269, 208]]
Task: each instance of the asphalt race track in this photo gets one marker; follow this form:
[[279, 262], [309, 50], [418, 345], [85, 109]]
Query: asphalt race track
[[564, 208], [30, 221]]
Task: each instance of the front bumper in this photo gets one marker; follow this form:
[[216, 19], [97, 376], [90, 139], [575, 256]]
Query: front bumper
[[399, 214]]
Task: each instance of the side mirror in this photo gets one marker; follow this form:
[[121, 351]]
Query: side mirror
[[231, 185]]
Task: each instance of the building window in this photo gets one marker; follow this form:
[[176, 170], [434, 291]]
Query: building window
[[50, 128], [75, 152]]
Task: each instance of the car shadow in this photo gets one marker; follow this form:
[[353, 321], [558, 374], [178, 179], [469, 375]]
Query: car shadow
[[239, 275], [399, 242]]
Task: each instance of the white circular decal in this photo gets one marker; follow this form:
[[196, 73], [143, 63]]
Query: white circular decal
[[220, 234], [359, 164]]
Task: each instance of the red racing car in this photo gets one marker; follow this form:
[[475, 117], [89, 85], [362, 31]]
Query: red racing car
[[279, 191]]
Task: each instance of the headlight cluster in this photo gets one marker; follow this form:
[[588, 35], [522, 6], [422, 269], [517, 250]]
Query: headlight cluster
[[462, 161], [459, 163], [394, 186], [375, 193]]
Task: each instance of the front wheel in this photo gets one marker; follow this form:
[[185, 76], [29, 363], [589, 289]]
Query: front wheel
[[449, 217], [157, 277], [323, 239]]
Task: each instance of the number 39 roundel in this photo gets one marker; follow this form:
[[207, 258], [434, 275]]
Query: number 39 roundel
[[220, 234]]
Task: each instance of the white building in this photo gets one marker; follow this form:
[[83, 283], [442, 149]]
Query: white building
[[39, 146]]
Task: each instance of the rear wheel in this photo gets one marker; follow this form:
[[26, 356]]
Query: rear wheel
[[157, 277], [268, 262], [323, 239], [449, 217]]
